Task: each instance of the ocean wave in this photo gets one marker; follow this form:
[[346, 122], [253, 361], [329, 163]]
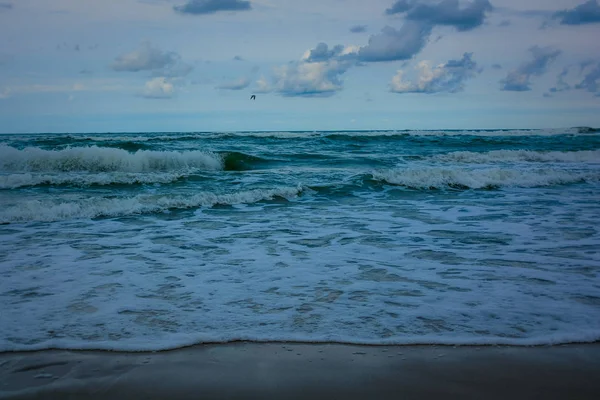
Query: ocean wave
[[440, 178], [48, 210], [236, 161], [496, 156], [103, 159], [15, 181]]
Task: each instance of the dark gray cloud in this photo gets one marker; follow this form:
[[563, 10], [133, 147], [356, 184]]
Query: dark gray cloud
[[238, 58], [589, 73], [510, 12], [591, 81], [586, 13], [358, 29], [449, 77], [323, 53], [504, 23], [393, 45], [212, 6], [518, 80], [561, 84], [400, 6], [5, 6], [445, 12], [497, 66]]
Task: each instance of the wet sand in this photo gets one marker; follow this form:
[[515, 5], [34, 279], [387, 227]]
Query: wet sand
[[307, 371]]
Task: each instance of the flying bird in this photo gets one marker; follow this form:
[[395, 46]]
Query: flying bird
[[253, 97]]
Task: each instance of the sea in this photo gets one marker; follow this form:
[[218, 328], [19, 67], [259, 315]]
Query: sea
[[155, 241]]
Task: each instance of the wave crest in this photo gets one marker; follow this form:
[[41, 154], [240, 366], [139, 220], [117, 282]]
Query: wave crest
[[440, 178], [35, 210], [496, 156], [103, 159]]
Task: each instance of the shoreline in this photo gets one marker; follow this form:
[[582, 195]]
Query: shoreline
[[241, 370], [299, 342]]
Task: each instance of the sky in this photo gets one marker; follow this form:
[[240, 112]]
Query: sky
[[192, 65]]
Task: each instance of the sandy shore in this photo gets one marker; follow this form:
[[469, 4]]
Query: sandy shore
[[306, 371]]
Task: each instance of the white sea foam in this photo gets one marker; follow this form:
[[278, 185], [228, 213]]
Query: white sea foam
[[366, 273], [103, 159], [438, 178], [93, 207], [14, 181], [502, 156]]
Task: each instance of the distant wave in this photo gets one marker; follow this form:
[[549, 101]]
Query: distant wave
[[103, 159], [135, 139], [440, 178], [586, 156], [34, 210]]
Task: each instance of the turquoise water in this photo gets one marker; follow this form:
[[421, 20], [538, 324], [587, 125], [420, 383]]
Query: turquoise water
[[150, 241]]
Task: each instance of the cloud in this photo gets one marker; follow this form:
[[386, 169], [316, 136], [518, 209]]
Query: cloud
[[590, 70], [317, 74], [561, 85], [150, 58], [393, 45], [358, 28], [239, 84], [496, 66], [146, 58], [309, 79], [5, 93], [586, 13], [158, 88], [91, 85], [591, 81], [505, 23], [238, 58], [400, 6], [449, 77], [5, 6], [445, 12], [323, 53], [198, 7], [518, 80]]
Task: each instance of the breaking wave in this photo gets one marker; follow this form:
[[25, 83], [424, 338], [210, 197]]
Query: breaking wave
[[493, 178], [586, 156], [35, 210], [15, 181], [103, 159]]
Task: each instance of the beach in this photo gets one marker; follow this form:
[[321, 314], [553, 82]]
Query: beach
[[306, 371]]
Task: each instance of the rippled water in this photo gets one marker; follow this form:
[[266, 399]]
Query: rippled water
[[154, 241]]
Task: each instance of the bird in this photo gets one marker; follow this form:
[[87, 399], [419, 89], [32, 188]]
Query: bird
[[253, 97]]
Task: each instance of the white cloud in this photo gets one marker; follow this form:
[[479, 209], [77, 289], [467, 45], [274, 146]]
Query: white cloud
[[238, 84], [150, 58], [146, 58], [317, 74], [158, 88], [308, 79], [449, 77], [5, 93]]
